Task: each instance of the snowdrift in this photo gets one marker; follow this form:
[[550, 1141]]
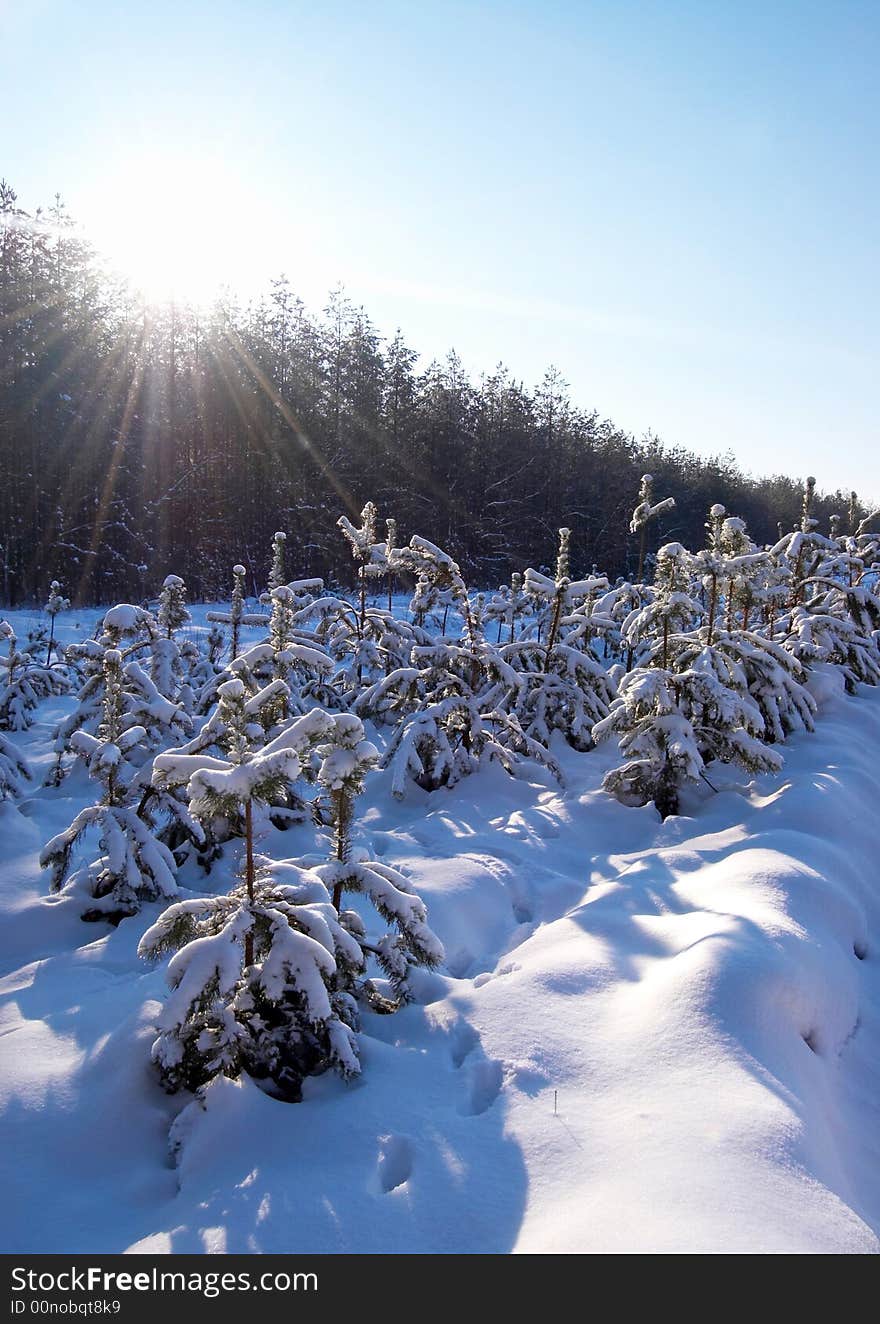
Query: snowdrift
[[647, 1037]]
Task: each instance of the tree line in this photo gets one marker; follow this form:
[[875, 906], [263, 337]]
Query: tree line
[[138, 439]]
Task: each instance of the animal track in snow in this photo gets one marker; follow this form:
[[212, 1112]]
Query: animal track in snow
[[506, 874], [811, 1039], [484, 1085], [459, 962], [509, 968], [464, 1040], [852, 1034], [395, 1162]]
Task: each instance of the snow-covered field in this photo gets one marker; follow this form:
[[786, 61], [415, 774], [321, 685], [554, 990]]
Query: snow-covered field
[[647, 1037]]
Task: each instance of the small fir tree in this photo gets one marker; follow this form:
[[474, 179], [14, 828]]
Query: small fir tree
[[252, 984], [134, 866], [235, 617], [362, 542], [688, 702], [346, 757], [173, 612], [24, 683], [277, 575], [646, 511], [14, 770], [55, 604]]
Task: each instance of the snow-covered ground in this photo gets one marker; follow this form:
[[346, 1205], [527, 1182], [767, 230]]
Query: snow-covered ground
[[700, 999]]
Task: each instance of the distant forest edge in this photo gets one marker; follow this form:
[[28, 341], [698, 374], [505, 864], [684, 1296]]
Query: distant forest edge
[[139, 440]]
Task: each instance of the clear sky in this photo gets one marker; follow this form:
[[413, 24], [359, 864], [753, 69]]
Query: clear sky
[[673, 201]]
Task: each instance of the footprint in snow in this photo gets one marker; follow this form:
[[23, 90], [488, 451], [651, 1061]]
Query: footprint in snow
[[811, 1039], [464, 1040], [395, 1162], [485, 1079], [509, 968], [459, 962]]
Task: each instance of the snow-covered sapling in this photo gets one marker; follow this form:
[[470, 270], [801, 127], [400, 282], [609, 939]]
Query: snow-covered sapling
[[361, 541], [223, 788], [346, 757], [234, 618], [455, 696], [277, 575], [173, 612], [687, 703], [257, 976], [802, 550], [23, 683], [134, 866], [671, 725], [647, 510], [14, 770], [560, 685], [253, 984], [390, 548], [55, 604]]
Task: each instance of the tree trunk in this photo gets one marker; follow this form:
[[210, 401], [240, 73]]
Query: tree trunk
[[554, 626], [713, 603], [362, 622], [341, 802], [249, 876], [643, 543]]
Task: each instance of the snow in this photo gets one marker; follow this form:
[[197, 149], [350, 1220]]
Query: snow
[[125, 618], [702, 997]]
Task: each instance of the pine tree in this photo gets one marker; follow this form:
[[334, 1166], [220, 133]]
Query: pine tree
[[277, 575], [290, 654], [256, 979], [235, 617], [14, 770], [346, 756], [814, 635], [362, 542], [561, 685], [173, 611], [688, 701], [834, 614], [455, 697], [236, 732], [252, 986], [646, 511], [55, 604], [671, 725], [802, 550], [23, 683], [134, 866], [614, 610], [123, 627], [367, 641], [390, 547]]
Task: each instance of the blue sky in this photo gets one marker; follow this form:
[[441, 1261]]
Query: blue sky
[[675, 203]]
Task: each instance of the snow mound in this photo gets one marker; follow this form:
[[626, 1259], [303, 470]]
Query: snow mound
[[646, 1037]]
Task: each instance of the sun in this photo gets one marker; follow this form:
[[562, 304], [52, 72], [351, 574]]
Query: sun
[[173, 226]]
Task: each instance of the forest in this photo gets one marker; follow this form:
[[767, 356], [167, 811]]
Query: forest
[[139, 439]]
